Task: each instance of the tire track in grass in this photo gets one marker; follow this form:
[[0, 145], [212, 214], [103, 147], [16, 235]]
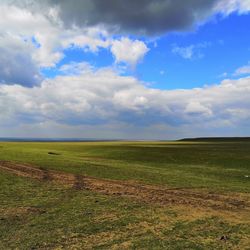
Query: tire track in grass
[[130, 189]]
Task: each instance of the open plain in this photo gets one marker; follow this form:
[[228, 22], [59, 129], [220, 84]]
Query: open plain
[[125, 195]]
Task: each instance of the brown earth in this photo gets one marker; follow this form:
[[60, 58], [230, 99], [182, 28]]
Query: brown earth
[[134, 190]]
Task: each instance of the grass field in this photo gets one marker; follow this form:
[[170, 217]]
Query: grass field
[[133, 195]]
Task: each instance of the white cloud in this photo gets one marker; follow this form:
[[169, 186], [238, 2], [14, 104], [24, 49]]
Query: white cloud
[[75, 68], [89, 39], [195, 107], [192, 51], [244, 70], [228, 6], [16, 64], [128, 51], [185, 52], [26, 25], [103, 99]]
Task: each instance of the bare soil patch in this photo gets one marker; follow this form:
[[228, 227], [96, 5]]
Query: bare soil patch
[[130, 189]]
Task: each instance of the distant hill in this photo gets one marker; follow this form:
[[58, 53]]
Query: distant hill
[[217, 139]]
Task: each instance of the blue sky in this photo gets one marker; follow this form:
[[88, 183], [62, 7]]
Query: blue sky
[[226, 47], [85, 69]]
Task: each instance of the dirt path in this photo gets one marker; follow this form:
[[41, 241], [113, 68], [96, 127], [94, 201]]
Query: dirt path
[[133, 190]]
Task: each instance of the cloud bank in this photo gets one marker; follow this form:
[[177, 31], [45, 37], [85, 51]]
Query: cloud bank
[[102, 99]]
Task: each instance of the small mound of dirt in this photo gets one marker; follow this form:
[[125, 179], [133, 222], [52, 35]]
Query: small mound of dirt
[[53, 153]]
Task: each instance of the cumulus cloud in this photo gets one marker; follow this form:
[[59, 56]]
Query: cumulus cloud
[[89, 39], [128, 51], [16, 64], [28, 42], [33, 29], [101, 98]]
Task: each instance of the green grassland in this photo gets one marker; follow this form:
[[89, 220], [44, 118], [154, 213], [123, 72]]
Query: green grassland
[[45, 215]]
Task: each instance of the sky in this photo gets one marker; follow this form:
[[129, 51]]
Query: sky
[[114, 69]]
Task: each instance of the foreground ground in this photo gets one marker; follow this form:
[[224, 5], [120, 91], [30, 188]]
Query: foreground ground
[[125, 195]]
